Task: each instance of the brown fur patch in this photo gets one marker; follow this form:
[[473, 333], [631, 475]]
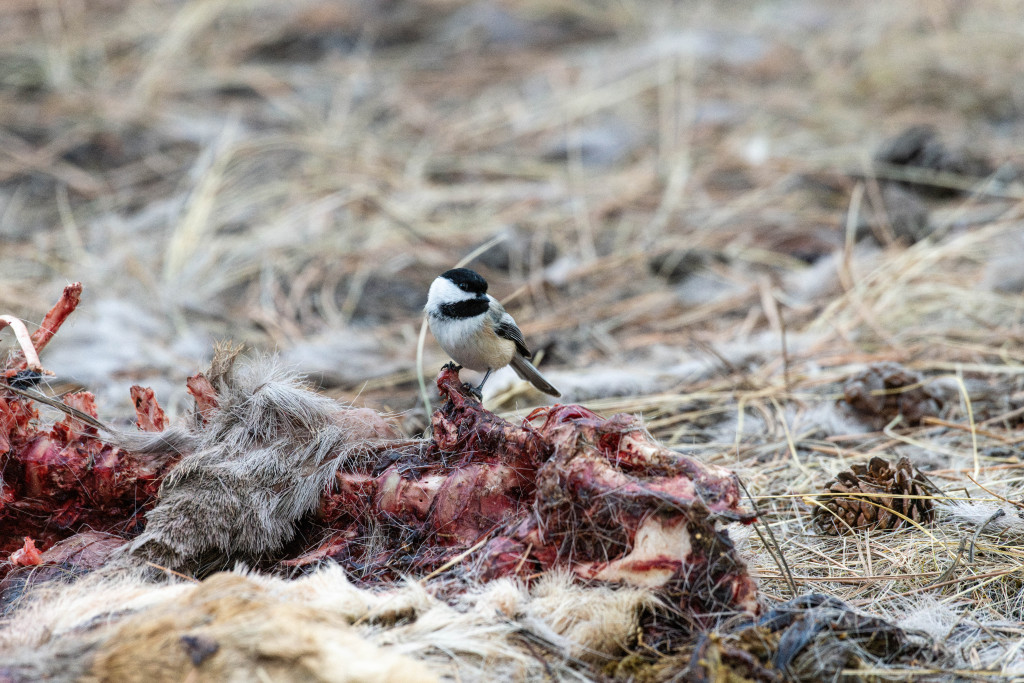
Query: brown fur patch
[[247, 632]]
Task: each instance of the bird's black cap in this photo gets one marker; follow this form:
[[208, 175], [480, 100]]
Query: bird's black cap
[[467, 280]]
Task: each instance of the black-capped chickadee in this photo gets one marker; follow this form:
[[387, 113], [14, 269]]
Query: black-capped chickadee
[[474, 329]]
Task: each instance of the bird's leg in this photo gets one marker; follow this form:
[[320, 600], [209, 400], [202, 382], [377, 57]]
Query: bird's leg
[[478, 391], [480, 386]]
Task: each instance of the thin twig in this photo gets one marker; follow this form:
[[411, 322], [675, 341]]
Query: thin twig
[[977, 534], [455, 560], [948, 573], [772, 547]]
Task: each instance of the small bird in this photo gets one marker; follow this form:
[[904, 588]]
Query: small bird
[[474, 329]]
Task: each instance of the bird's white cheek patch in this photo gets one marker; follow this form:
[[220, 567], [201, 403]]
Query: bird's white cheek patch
[[444, 291]]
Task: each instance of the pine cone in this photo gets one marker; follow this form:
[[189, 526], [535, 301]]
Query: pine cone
[[881, 391], [881, 481]]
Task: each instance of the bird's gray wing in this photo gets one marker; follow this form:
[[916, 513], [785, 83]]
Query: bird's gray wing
[[505, 327]]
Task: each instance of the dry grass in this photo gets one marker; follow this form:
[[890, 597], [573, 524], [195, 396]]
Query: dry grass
[[294, 175]]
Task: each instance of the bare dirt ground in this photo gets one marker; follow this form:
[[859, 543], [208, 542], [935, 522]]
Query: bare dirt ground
[[710, 214]]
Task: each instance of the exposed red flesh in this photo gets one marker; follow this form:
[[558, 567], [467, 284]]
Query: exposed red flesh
[[594, 495], [65, 479], [60, 479], [27, 555], [149, 416], [566, 488], [201, 389]]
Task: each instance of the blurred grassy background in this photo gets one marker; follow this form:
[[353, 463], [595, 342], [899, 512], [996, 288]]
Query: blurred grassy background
[[679, 183]]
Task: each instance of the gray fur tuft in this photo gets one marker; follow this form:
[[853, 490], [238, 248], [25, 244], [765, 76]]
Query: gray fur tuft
[[261, 462]]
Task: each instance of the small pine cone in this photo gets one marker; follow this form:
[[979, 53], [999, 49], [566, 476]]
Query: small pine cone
[[882, 482]]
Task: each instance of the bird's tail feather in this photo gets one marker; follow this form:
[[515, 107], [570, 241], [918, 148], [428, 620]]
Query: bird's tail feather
[[526, 370]]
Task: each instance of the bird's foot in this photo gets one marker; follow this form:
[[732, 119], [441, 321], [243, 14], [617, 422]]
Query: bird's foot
[[452, 365], [473, 390]]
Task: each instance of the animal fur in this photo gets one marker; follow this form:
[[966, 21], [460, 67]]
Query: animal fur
[[232, 626], [252, 468]]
